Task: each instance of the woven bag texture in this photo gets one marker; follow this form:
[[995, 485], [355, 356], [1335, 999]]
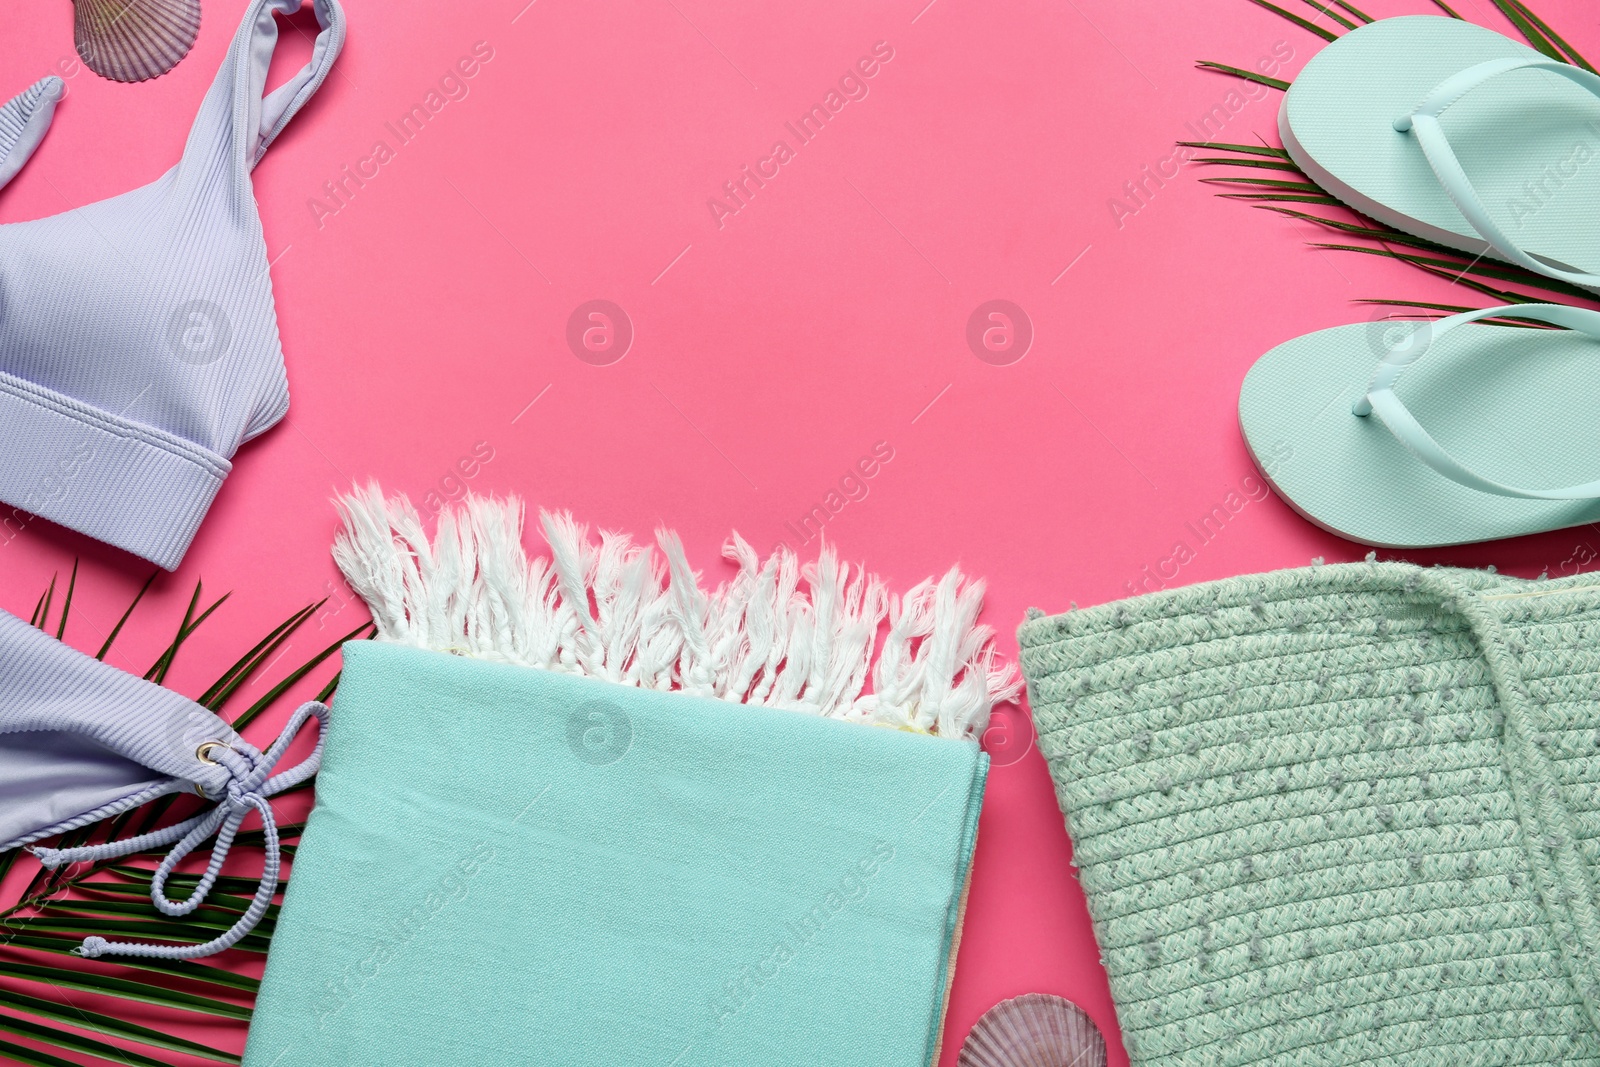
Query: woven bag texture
[[1337, 815]]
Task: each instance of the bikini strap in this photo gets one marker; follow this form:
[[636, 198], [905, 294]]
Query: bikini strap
[[237, 109], [23, 122]]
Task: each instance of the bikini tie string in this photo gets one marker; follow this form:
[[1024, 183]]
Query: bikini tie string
[[248, 789]]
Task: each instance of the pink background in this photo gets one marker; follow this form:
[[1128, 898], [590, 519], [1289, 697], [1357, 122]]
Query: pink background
[[773, 351]]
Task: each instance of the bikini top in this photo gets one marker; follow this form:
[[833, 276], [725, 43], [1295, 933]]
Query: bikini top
[[138, 340]]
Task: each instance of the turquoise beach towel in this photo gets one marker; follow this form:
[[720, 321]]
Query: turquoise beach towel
[[573, 865]]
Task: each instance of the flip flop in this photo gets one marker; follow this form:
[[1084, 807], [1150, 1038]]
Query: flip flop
[[1454, 133], [1452, 438]]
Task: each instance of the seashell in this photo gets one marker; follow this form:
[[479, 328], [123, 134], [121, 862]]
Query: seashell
[[1033, 1030], [134, 40]]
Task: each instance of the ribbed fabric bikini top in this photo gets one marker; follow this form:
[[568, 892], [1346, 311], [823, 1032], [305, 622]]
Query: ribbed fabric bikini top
[[138, 340]]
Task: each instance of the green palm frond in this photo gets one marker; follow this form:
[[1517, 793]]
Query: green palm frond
[[41, 610], [160, 996], [1539, 34], [117, 629], [1281, 198], [1441, 310], [1267, 183], [1293, 192], [1455, 267], [42, 924], [96, 1022], [158, 670], [1448, 258], [1264, 164], [1321, 31], [1242, 149], [1324, 11], [243, 667], [1246, 75], [1357, 12]]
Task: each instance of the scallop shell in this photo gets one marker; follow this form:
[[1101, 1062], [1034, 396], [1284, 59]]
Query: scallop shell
[[1033, 1030], [134, 40]]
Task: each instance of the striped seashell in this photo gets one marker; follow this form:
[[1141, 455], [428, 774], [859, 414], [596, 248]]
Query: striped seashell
[[134, 40], [1033, 1030]]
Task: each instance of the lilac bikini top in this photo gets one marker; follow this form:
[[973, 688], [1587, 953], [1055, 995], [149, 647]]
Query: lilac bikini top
[[138, 340]]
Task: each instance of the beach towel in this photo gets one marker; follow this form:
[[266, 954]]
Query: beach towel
[[581, 811]]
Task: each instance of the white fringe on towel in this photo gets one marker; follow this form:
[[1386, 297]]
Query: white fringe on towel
[[613, 610]]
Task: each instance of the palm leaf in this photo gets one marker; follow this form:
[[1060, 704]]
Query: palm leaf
[[117, 629], [277, 691], [140, 877], [30, 1058], [1503, 296], [158, 671], [1268, 164], [1569, 53], [209, 916], [41, 610], [1487, 268], [1267, 183], [1528, 30], [68, 1041], [237, 674], [1247, 75], [1246, 149], [66, 603], [183, 933], [327, 690], [1356, 11], [122, 988], [1282, 198], [108, 1025], [1387, 236], [1332, 14], [1326, 35], [1452, 309], [188, 970], [256, 838]]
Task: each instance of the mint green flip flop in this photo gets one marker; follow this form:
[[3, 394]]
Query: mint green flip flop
[[1442, 437], [1452, 132]]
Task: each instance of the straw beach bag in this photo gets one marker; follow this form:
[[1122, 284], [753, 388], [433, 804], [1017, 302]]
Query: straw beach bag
[[1347, 814]]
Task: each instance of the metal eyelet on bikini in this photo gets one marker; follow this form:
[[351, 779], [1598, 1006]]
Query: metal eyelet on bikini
[[201, 752]]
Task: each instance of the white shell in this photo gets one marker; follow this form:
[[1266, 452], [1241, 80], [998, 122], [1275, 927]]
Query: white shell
[[134, 40], [1033, 1030]]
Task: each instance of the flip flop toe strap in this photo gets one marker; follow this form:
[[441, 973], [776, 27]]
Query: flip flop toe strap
[[1380, 399], [1423, 123]]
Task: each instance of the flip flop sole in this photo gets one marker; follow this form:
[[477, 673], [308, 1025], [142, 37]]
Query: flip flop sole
[[1529, 140], [1518, 405]]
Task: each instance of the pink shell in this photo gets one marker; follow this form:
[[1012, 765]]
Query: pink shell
[[134, 40], [1033, 1030]]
